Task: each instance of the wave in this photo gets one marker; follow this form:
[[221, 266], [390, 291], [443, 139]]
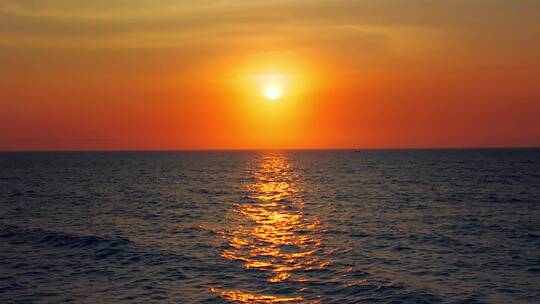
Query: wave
[[19, 235]]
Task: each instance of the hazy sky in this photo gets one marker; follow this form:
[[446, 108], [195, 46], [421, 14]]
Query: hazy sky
[[164, 74]]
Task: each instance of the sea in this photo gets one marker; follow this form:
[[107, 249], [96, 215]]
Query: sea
[[366, 226]]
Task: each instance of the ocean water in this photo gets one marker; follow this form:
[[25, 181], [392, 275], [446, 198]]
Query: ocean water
[[400, 226]]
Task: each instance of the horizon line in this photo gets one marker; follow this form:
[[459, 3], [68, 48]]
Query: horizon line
[[274, 149]]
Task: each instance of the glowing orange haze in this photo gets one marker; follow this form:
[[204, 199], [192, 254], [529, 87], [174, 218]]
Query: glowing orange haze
[[165, 76]]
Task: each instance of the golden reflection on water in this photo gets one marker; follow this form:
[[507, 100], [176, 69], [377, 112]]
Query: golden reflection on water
[[273, 235], [244, 297]]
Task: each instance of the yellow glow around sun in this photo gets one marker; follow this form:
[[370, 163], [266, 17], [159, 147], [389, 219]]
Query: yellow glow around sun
[[272, 86], [272, 98], [273, 91]]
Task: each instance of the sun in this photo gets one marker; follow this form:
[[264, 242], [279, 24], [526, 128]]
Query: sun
[[272, 86], [275, 82], [273, 91]]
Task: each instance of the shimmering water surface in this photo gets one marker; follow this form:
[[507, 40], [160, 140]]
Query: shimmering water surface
[[403, 226]]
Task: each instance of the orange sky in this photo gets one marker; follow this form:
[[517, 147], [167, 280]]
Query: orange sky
[[164, 74]]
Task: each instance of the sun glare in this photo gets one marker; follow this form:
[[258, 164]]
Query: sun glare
[[273, 91], [272, 86], [272, 80]]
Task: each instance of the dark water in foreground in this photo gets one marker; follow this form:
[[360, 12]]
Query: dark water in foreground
[[417, 226]]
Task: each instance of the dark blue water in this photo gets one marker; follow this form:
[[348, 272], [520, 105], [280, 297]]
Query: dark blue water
[[409, 226]]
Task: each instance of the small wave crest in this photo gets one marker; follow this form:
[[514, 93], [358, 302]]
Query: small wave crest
[[19, 235]]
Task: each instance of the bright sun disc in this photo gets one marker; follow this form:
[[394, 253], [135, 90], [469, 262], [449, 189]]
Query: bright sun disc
[[273, 92]]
